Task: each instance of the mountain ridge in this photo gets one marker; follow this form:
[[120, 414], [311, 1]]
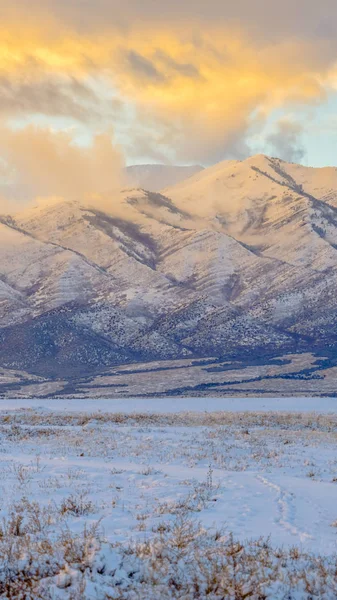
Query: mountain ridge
[[238, 258]]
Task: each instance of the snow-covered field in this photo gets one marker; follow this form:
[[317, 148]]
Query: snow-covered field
[[152, 499], [177, 405]]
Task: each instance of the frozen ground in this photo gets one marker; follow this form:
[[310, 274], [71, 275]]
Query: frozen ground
[[173, 405], [138, 499]]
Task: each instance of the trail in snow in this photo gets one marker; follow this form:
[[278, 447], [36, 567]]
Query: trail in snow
[[286, 509]]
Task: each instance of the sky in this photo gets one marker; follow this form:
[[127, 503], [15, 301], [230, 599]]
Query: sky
[[89, 83]]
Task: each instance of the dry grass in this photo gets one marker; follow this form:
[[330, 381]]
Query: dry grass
[[34, 549], [181, 560], [302, 421], [77, 505], [47, 552]]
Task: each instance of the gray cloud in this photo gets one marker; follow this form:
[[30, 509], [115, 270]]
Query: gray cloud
[[50, 97], [143, 67], [162, 138], [286, 141], [185, 69], [56, 96], [275, 19]]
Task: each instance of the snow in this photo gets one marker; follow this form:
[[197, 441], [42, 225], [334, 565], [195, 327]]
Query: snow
[[251, 264], [261, 198], [114, 474], [176, 405]]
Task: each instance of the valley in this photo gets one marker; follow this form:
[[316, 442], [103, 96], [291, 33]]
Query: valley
[[292, 374]]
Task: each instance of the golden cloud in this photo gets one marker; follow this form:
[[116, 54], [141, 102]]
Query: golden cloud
[[191, 90], [48, 164]]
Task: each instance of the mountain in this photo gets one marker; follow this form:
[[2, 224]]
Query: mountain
[[238, 260], [156, 177]]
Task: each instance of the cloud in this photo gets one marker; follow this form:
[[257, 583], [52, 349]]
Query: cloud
[[191, 93], [271, 19], [6, 206], [286, 141], [185, 69], [143, 67], [232, 85], [58, 96], [48, 164]]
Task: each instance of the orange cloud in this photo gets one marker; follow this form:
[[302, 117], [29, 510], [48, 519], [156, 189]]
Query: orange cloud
[[48, 164], [191, 91]]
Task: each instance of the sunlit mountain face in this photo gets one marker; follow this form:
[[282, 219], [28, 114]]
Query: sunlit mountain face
[[239, 258]]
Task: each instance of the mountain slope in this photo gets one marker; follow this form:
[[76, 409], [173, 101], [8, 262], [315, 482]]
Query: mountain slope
[[258, 202], [239, 258]]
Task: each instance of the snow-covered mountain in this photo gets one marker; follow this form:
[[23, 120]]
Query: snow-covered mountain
[[155, 177], [238, 259]]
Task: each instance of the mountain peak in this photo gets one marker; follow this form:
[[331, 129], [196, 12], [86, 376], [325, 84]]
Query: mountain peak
[[236, 258]]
